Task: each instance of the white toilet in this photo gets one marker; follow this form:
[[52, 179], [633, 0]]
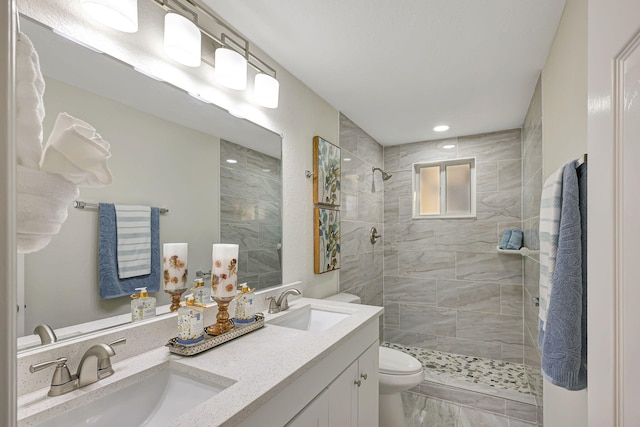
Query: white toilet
[[398, 372]]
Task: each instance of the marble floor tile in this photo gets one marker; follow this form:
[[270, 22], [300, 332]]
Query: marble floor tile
[[475, 418]]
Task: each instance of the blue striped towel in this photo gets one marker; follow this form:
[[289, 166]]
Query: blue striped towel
[[550, 208], [133, 228], [110, 285]]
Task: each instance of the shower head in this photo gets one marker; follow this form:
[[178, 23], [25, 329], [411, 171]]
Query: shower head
[[385, 175]]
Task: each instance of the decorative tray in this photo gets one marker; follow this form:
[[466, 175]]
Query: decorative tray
[[211, 341]]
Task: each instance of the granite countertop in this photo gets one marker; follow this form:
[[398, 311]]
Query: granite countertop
[[254, 368]]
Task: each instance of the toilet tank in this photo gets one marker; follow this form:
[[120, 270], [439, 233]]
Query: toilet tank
[[344, 297]]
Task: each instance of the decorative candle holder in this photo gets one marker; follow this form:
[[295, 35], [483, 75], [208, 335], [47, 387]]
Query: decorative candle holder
[[176, 296], [174, 263], [223, 324]]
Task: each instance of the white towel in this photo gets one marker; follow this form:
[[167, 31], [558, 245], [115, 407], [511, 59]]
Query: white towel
[[29, 105], [550, 209], [77, 152], [133, 228], [42, 201]]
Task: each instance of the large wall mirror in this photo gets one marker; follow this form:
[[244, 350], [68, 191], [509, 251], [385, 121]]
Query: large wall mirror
[[219, 176]]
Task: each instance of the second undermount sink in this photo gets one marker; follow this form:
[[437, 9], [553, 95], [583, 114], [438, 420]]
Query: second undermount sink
[[309, 318], [152, 402]]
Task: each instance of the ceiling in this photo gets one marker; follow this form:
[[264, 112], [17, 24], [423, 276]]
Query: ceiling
[[398, 68]]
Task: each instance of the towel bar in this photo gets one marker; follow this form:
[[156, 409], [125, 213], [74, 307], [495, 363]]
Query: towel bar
[[85, 205]]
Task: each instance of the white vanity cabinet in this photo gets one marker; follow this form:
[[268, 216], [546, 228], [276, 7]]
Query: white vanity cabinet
[[353, 396], [316, 413], [351, 400], [333, 392]]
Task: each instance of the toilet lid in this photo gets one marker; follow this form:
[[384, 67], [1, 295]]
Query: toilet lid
[[394, 362]]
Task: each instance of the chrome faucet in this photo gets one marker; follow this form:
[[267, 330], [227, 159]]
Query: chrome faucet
[[62, 381], [46, 334], [96, 363], [281, 304]]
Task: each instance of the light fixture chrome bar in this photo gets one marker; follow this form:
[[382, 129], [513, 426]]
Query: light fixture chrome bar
[[165, 5]]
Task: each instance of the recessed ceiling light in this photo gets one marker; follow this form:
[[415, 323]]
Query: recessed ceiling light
[[347, 159], [449, 146], [441, 128], [232, 161]]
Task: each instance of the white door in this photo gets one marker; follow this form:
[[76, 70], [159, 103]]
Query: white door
[[368, 391], [315, 414], [343, 398], [614, 212]]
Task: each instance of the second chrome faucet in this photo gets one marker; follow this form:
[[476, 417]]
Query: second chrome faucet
[[281, 304]]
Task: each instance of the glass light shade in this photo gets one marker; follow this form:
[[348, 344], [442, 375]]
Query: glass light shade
[[265, 90], [121, 15], [230, 69], [182, 40]]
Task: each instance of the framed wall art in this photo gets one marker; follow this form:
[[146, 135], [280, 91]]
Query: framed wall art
[[326, 172], [326, 240]]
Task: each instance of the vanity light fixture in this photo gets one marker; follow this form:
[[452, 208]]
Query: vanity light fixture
[[441, 128], [182, 39], [265, 90], [230, 68], [121, 15]]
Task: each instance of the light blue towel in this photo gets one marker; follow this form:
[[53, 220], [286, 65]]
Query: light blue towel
[[564, 336], [505, 239], [110, 285], [133, 226], [515, 240]]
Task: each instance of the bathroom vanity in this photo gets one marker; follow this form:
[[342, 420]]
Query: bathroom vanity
[[314, 364]]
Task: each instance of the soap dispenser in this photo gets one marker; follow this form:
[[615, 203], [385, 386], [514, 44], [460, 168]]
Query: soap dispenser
[[201, 293], [143, 306], [190, 322], [245, 308]]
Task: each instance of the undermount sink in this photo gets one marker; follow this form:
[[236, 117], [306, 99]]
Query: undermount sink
[[152, 402], [309, 318]]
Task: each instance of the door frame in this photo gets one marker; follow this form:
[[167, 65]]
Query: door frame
[[8, 369]]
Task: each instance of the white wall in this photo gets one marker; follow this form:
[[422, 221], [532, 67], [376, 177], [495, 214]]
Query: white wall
[[564, 91], [154, 162], [301, 115], [564, 136]]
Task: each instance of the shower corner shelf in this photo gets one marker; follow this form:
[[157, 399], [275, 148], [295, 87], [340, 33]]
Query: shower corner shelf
[[524, 251]]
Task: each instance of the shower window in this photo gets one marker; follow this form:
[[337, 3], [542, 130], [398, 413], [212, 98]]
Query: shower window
[[444, 189]]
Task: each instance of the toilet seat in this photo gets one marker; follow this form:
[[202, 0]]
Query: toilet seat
[[394, 362]]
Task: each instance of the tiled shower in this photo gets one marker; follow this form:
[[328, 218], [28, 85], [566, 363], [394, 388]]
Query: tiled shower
[[445, 289], [250, 201]]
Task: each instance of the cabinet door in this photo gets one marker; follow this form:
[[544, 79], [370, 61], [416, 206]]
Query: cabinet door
[[343, 398], [368, 391], [315, 414]]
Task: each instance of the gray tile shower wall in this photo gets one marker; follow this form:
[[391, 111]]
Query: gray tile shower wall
[[445, 287], [250, 212], [531, 190], [361, 207]]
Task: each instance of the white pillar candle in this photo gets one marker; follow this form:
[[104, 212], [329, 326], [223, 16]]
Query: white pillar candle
[[174, 263], [224, 277]]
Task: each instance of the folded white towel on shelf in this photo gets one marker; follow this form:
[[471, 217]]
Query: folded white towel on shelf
[[29, 105], [133, 229], [77, 152], [42, 201]]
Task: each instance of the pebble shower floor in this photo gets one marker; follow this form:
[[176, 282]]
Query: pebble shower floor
[[493, 373]]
